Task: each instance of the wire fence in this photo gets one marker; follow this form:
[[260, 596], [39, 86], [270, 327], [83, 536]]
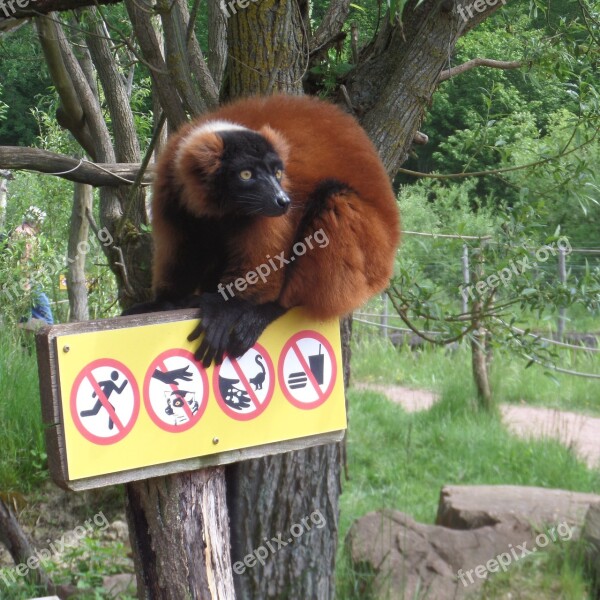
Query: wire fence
[[448, 261]]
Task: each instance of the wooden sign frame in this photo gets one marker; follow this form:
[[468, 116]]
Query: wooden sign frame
[[52, 411]]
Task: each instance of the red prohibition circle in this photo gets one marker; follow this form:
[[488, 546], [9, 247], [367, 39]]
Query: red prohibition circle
[[291, 345], [158, 361], [260, 407], [86, 372]]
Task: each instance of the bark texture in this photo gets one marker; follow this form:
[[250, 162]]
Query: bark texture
[[276, 496], [179, 536], [267, 49], [79, 229], [391, 87]]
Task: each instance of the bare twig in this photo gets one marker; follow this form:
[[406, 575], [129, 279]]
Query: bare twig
[[481, 62]]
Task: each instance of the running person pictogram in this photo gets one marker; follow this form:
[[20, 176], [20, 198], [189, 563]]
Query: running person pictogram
[[105, 401], [107, 387]]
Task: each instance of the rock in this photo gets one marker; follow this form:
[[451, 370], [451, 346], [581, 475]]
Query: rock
[[591, 537], [470, 507], [118, 530], [121, 584], [412, 340], [406, 559], [587, 340]]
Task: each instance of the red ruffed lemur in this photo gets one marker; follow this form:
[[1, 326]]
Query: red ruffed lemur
[[257, 180]]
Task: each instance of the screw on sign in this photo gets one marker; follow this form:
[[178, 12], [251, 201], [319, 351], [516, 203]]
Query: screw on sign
[[105, 401], [307, 369], [244, 386], [175, 390]]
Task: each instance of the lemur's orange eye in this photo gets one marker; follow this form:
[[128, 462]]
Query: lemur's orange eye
[[246, 174], [278, 174]]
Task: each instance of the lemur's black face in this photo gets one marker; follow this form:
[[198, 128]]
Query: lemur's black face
[[248, 181]]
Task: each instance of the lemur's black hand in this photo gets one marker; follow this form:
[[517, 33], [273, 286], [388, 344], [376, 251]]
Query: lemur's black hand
[[230, 326]]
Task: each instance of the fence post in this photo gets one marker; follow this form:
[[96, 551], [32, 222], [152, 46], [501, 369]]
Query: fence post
[[385, 315], [562, 275], [466, 277]]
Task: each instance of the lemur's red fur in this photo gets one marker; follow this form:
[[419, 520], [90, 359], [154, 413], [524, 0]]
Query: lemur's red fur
[[316, 142]]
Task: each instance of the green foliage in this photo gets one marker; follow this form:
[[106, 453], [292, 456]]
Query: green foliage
[[564, 192], [22, 448], [87, 563], [84, 566], [480, 118], [24, 79], [432, 207]]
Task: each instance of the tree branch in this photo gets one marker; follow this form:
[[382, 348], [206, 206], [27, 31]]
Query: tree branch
[[73, 169], [70, 113], [99, 43], [217, 41], [151, 50], [43, 7], [331, 25], [480, 62], [205, 84], [174, 28]]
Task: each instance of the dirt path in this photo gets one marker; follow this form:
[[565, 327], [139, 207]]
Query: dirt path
[[574, 430]]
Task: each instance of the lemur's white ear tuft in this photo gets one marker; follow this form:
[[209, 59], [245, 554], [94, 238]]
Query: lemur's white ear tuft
[[199, 152], [277, 140]]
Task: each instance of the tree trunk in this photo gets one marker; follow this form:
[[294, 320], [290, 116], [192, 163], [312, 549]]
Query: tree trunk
[[269, 496], [266, 49], [179, 535], [77, 250], [479, 364], [479, 340]]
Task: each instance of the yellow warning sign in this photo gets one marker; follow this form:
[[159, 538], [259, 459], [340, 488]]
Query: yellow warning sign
[[136, 397]]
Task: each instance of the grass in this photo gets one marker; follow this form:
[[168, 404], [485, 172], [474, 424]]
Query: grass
[[375, 359], [22, 448], [556, 573]]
